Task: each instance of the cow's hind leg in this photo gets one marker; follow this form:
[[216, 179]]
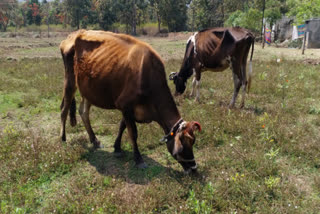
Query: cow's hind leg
[[117, 144], [244, 81], [84, 113], [133, 134], [237, 80], [68, 103], [244, 87], [244, 84]]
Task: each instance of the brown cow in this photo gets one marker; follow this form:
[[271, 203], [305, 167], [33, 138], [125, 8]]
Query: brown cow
[[216, 49], [117, 71]]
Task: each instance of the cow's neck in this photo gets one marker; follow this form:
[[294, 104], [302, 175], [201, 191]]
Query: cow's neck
[[167, 111]]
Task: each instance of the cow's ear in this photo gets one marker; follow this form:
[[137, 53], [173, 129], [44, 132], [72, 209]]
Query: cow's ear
[[193, 126], [196, 126], [189, 131], [177, 147]]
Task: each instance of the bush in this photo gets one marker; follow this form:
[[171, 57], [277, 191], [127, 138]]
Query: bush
[[295, 43], [250, 19]]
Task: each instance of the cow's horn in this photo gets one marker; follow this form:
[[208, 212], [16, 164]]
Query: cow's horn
[[172, 75]]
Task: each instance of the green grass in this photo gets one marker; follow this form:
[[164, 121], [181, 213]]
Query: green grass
[[261, 159]]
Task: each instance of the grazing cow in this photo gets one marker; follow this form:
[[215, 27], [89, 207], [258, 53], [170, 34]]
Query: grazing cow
[[117, 71], [216, 49]]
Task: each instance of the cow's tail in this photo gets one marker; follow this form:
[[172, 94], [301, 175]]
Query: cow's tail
[[68, 101], [72, 111], [250, 66]]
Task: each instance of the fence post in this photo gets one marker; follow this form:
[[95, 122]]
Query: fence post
[[305, 39]]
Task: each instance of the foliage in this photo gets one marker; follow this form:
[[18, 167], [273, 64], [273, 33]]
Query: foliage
[[77, 10], [250, 20], [203, 15], [176, 15], [273, 11], [7, 12], [303, 10]]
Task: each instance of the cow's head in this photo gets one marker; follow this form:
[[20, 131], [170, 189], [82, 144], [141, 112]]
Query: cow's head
[[186, 70], [180, 144]]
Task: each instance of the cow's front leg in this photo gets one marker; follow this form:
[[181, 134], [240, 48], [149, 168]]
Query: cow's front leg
[[198, 91], [117, 144], [133, 135], [84, 113], [197, 78], [193, 86]]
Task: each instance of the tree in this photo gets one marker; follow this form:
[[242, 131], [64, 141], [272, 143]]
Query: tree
[[17, 17], [303, 10], [207, 13], [47, 14], [107, 11], [155, 4], [250, 19], [174, 14], [77, 10], [7, 12], [33, 12]]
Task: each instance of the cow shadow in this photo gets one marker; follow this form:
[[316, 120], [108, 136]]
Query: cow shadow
[[107, 164]]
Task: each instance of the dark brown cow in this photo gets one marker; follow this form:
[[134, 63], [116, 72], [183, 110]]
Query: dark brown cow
[[216, 49], [117, 71]]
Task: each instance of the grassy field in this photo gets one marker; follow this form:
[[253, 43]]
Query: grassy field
[[264, 158]]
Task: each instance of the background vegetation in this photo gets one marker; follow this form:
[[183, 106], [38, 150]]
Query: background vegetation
[[132, 17]]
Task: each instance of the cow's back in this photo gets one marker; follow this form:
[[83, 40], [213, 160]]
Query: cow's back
[[109, 67], [217, 44]]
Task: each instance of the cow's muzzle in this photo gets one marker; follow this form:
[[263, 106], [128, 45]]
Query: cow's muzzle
[[191, 170]]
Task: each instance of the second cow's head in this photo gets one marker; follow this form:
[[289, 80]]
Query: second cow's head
[[186, 70]]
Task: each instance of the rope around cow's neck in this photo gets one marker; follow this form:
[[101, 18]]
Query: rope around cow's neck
[[177, 126]]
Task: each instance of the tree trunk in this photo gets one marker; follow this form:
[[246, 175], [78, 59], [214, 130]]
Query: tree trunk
[[222, 11], [134, 18], [264, 36], [262, 26], [78, 18], [192, 27]]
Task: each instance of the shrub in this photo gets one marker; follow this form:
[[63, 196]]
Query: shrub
[[250, 20]]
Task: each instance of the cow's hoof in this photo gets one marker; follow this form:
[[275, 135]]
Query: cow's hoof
[[97, 144], [190, 171], [73, 122], [142, 165], [118, 154]]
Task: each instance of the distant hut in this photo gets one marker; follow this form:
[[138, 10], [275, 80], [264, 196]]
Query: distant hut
[[283, 29], [313, 29]]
